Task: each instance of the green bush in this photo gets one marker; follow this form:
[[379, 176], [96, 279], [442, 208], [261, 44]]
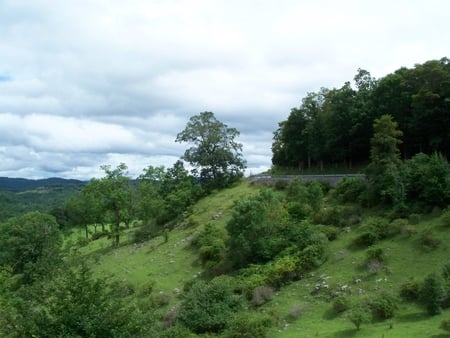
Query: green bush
[[211, 243], [207, 306], [445, 219], [365, 239], [429, 240], [414, 219], [358, 315], [283, 270], [445, 325], [446, 271], [331, 232], [350, 190], [375, 254], [248, 325], [384, 306], [177, 331], [410, 290], [341, 304]]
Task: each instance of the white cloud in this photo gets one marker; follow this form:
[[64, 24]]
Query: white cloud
[[86, 82]]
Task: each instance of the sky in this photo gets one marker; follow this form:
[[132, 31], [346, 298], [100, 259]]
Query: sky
[[85, 83]]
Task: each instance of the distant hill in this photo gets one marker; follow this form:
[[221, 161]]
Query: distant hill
[[23, 184], [20, 195]]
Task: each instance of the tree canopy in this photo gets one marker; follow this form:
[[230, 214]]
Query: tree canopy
[[215, 154]]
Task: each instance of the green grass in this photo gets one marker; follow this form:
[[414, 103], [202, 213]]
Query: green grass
[[169, 265]]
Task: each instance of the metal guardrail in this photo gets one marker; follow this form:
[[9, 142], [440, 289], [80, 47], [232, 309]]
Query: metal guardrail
[[332, 179]]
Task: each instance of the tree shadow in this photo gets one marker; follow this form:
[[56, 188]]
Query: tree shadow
[[330, 314], [345, 333], [412, 317]]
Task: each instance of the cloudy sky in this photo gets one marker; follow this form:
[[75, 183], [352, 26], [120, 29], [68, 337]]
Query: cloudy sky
[[90, 82]]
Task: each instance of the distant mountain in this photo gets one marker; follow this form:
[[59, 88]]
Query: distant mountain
[[23, 184]]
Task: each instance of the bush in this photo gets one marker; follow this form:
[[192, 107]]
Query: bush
[[341, 304], [445, 325], [177, 331], [248, 325], [432, 293], [261, 295], [446, 271], [358, 315], [384, 306], [296, 311], [445, 219], [350, 190], [429, 240], [376, 254], [410, 290], [121, 288], [330, 231], [207, 306], [414, 219], [161, 299], [283, 270], [366, 239]]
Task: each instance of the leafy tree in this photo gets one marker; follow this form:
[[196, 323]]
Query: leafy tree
[[30, 244], [359, 315], [75, 304], [432, 293], [116, 190], [385, 169], [215, 154]]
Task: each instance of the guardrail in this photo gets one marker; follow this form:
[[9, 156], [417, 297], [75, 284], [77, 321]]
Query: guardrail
[[332, 179]]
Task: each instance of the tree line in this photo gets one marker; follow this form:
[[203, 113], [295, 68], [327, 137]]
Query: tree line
[[334, 126]]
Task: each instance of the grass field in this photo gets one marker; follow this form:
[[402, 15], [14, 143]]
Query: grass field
[[170, 264]]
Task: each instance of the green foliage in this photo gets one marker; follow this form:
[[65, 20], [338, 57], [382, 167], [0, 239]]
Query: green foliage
[[74, 304], [215, 154], [445, 219], [248, 325], [428, 179], [384, 306], [376, 254], [341, 304], [211, 243], [257, 229], [429, 240], [207, 306], [446, 271], [350, 190], [432, 293], [358, 315], [410, 290], [373, 230], [30, 244], [445, 325]]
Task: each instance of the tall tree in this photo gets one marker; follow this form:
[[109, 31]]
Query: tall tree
[[215, 154], [29, 244], [117, 193], [385, 168]]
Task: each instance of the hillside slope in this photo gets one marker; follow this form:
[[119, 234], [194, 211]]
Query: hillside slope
[[303, 308]]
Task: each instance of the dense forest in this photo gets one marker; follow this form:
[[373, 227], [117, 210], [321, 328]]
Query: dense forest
[[209, 253], [334, 126]]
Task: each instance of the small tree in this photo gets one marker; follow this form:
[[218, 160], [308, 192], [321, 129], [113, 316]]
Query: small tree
[[215, 154], [358, 315], [432, 293]]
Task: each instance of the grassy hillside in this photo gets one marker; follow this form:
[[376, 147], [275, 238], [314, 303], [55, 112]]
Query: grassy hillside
[[297, 310]]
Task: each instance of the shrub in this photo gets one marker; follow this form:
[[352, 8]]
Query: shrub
[[445, 325], [161, 299], [429, 240], [384, 306], [432, 293], [414, 219], [283, 270], [358, 315], [170, 318], [261, 295], [207, 306], [375, 254], [341, 304], [146, 288], [366, 239], [445, 219], [350, 190], [211, 242], [330, 231], [446, 271], [410, 290], [409, 230], [296, 311], [177, 331], [121, 288], [248, 325]]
